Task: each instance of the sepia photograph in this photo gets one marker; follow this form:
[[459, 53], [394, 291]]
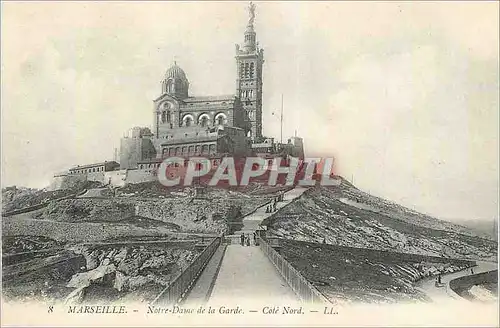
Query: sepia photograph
[[234, 163]]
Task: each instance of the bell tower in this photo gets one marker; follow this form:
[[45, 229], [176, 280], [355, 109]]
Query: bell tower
[[249, 61]]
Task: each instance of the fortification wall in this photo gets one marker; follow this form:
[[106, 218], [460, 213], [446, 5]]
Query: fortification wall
[[115, 178], [133, 150], [139, 176], [96, 176], [68, 181]]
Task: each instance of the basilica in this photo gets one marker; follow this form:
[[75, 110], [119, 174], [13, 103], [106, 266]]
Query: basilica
[[211, 126], [186, 125]]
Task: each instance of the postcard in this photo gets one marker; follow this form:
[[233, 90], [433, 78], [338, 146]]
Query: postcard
[[232, 163]]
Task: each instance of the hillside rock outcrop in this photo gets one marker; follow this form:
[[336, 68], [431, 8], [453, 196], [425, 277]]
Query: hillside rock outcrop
[[126, 269], [346, 216]]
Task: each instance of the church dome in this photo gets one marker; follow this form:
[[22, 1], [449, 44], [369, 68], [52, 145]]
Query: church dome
[[175, 72], [175, 82]]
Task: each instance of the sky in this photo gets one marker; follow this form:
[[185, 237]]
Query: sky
[[404, 95]]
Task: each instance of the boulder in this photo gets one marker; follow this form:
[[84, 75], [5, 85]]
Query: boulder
[[84, 279], [121, 281], [76, 296], [122, 255], [91, 259]]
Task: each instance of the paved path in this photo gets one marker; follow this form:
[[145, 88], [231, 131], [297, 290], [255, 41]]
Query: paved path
[[439, 294], [246, 275], [251, 222]]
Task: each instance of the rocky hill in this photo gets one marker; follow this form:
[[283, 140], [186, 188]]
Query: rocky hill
[[15, 198], [349, 275], [347, 216], [487, 228]]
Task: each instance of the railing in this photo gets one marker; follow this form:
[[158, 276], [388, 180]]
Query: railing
[[459, 287], [182, 284], [304, 290]]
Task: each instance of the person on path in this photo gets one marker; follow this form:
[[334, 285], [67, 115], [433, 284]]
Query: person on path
[[242, 239], [248, 240], [471, 270], [439, 278]]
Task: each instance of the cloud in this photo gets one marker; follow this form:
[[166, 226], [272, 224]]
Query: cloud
[[407, 124]]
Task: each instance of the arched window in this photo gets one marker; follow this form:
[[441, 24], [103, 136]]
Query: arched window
[[247, 70], [204, 149], [197, 149], [220, 119], [184, 150], [251, 70], [178, 85], [203, 120], [169, 117], [212, 149], [163, 117], [177, 150], [191, 150], [187, 120]]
